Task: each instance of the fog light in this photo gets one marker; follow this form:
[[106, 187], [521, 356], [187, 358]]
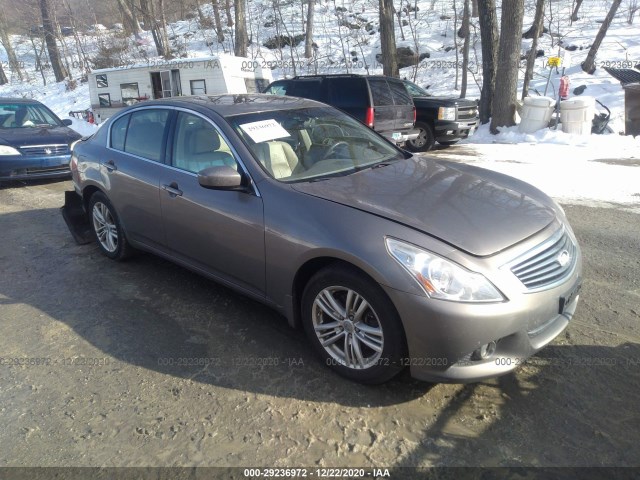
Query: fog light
[[485, 351]]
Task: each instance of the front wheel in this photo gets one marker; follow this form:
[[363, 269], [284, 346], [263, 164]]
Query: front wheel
[[353, 325], [107, 228], [425, 140]]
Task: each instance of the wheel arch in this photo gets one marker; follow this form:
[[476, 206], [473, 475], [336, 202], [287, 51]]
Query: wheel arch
[[312, 266]]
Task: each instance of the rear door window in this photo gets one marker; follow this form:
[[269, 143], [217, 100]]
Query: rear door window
[[311, 89], [145, 135], [400, 94], [348, 92], [119, 132], [380, 92]]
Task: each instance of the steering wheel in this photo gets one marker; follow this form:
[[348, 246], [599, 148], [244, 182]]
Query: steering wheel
[[330, 153]]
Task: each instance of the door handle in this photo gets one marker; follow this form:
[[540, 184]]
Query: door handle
[[110, 166], [172, 189]]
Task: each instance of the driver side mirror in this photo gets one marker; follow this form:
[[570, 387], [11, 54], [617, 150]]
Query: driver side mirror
[[67, 122], [220, 178]]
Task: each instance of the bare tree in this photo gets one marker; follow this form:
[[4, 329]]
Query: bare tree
[[158, 31], [474, 8], [489, 42], [14, 65], [576, 8], [465, 48], [130, 20], [388, 40], [217, 22], [634, 6], [49, 28], [242, 39], [3, 76], [503, 110], [308, 39], [531, 57], [227, 8], [589, 64]]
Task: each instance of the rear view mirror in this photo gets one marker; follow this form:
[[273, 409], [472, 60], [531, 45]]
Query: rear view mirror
[[223, 178]]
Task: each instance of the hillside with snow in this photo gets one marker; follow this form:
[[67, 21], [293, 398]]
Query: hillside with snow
[[347, 41]]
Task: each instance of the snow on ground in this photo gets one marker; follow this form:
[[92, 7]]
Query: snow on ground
[[601, 170]]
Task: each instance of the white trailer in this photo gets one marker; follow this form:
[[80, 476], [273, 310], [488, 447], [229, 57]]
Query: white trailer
[[112, 89]]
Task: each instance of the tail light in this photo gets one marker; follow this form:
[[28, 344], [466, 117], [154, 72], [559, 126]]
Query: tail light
[[368, 119]]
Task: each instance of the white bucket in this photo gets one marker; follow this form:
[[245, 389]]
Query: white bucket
[[576, 115], [536, 113]]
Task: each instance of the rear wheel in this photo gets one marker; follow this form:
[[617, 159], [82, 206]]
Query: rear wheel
[[107, 228], [353, 325], [425, 140]]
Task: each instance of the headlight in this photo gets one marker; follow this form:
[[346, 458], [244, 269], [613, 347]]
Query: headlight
[[442, 278], [447, 113], [7, 150]]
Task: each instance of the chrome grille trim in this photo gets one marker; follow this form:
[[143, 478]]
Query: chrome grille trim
[[41, 150], [539, 268]]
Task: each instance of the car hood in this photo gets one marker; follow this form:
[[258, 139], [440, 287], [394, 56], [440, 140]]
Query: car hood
[[476, 210], [20, 137]]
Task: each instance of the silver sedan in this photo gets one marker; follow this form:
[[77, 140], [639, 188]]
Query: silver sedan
[[387, 260]]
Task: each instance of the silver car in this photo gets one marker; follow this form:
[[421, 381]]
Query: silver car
[[387, 260]]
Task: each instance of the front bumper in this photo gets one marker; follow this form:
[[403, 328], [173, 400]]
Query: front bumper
[[33, 168], [442, 336], [452, 131]]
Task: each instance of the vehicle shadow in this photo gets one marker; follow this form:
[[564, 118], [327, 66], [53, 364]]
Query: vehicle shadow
[[153, 314], [7, 184], [571, 406]]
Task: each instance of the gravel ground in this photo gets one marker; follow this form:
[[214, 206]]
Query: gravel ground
[[148, 364]]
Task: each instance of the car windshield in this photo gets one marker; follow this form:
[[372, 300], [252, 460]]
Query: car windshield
[[26, 115], [415, 90], [311, 143]]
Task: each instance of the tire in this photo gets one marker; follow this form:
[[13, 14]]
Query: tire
[[107, 228], [372, 357], [425, 140]]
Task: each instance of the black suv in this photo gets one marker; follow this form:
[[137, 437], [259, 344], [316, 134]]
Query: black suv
[[441, 119], [381, 103]]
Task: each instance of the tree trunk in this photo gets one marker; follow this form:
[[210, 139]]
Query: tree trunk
[[50, 38], [531, 58], [589, 65], [150, 22], [227, 8], [474, 8], [308, 39], [505, 96], [162, 29], [217, 21], [388, 40], [242, 40], [14, 65], [130, 20], [465, 49], [489, 42], [574, 15], [3, 76]]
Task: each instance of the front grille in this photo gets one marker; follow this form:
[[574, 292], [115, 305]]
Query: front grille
[[467, 113], [548, 263], [34, 171], [45, 150]]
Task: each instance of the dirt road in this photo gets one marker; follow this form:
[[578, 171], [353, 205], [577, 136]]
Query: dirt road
[[144, 363]]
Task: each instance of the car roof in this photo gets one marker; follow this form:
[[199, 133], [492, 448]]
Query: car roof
[[236, 104], [19, 100]]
